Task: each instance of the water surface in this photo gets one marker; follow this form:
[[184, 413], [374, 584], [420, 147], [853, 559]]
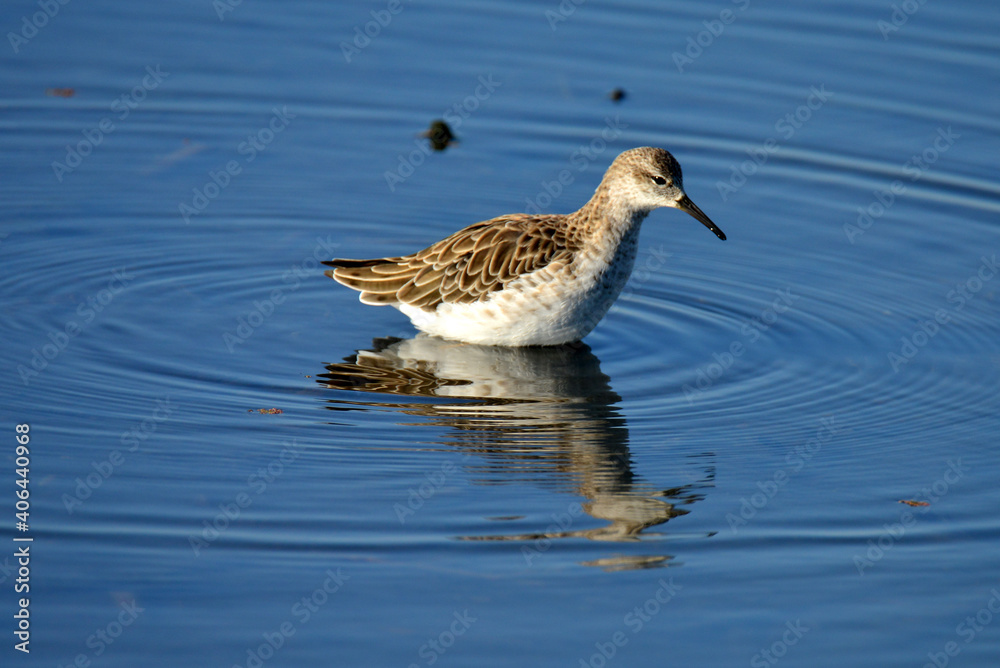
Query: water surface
[[712, 478]]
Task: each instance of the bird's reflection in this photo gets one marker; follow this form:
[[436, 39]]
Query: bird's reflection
[[544, 415]]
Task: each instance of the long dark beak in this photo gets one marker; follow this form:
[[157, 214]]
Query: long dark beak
[[685, 204]]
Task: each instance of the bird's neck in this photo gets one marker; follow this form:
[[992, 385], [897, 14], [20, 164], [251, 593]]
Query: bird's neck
[[609, 217]]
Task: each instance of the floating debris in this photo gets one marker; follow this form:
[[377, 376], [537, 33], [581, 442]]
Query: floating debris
[[617, 95], [917, 504], [267, 411], [440, 135], [60, 92]]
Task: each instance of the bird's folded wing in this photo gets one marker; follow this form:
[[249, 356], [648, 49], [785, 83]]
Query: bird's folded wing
[[462, 268]]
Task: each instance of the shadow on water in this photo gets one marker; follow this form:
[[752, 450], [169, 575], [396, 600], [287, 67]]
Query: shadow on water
[[545, 416]]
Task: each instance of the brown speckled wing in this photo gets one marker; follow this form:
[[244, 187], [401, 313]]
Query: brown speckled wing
[[462, 268]]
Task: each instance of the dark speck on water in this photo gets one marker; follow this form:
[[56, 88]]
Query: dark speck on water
[[440, 135]]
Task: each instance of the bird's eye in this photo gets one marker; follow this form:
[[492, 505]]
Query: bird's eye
[[659, 180]]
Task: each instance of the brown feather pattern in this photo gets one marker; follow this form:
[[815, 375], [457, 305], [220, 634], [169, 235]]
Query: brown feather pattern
[[464, 267]]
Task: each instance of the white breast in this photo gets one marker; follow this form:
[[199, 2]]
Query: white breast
[[558, 304]]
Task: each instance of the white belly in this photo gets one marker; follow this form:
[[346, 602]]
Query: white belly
[[555, 305]]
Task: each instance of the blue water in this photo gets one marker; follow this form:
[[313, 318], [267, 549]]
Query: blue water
[[713, 479]]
